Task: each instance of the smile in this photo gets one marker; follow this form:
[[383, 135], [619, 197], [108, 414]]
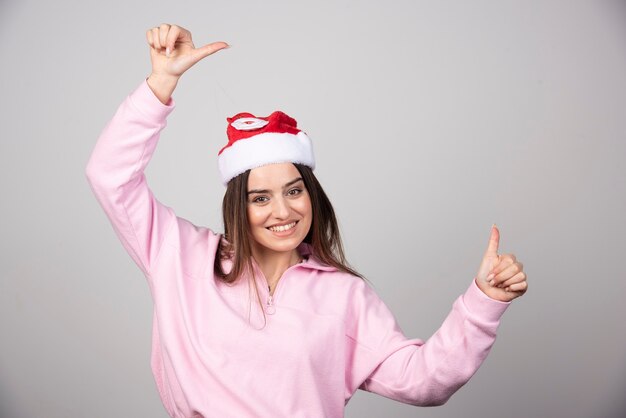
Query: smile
[[282, 228]]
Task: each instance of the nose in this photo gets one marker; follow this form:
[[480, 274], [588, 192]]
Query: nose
[[280, 209]]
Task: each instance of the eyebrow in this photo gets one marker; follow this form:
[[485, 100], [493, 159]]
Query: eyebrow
[[284, 187]]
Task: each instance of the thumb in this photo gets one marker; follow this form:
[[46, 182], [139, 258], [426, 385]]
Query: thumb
[[208, 49], [494, 241]]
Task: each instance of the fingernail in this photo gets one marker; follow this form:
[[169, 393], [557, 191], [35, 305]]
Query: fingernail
[[167, 52], [491, 283], [491, 276]]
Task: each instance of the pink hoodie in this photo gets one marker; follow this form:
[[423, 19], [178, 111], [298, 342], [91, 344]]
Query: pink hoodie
[[327, 332]]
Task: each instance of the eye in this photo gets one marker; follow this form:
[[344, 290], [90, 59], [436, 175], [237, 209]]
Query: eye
[[294, 192], [260, 199]]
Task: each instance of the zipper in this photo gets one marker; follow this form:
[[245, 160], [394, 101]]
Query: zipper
[[270, 308]]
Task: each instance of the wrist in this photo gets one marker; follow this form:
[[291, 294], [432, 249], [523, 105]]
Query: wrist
[[482, 305], [163, 78], [162, 86]]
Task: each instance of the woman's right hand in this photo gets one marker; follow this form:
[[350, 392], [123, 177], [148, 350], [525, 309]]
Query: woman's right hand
[[172, 52]]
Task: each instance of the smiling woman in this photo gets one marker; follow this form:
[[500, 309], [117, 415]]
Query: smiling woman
[[269, 211], [327, 333], [279, 212]]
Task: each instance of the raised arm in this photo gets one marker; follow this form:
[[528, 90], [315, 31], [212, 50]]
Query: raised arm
[[382, 360], [385, 362], [115, 170]]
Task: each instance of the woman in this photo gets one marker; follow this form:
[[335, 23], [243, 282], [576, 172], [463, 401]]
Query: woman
[[319, 332]]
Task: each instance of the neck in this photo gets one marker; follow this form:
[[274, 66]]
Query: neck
[[273, 263]]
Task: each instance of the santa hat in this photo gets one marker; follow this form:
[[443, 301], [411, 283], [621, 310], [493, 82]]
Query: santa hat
[[254, 141]]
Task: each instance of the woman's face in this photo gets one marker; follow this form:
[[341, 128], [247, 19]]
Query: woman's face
[[279, 207]]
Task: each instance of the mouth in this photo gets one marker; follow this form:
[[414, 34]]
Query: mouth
[[282, 228]]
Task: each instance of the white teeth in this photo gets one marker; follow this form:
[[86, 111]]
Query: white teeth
[[282, 227]]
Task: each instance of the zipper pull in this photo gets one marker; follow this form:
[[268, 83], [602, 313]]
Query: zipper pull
[[270, 308]]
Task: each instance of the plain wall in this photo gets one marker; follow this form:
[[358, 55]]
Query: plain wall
[[431, 120]]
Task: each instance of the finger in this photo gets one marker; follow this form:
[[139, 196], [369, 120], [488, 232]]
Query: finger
[[494, 240], [504, 261], [170, 41], [149, 37], [517, 278], [163, 31], [155, 38], [518, 287], [209, 49], [509, 270]]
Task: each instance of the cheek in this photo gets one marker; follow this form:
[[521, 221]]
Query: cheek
[[255, 216], [307, 208], [304, 208]]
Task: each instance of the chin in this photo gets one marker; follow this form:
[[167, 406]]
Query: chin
[[281, 247]]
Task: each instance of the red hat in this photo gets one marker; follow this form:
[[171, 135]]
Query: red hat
[[254, 141]]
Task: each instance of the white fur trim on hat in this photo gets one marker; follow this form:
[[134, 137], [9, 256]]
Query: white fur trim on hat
[[262, 149]]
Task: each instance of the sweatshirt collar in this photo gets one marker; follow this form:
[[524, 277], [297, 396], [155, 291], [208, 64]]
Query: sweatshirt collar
[[309, 261]]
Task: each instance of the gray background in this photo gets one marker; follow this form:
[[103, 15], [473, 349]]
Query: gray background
[[431, 120]]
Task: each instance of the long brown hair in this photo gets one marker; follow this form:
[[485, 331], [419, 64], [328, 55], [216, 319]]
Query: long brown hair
[[323, 235]]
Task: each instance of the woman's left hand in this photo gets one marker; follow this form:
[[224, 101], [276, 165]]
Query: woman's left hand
[[500, 276]]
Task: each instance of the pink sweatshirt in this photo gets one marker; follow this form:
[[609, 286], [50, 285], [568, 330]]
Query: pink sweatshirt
[[327, 332]]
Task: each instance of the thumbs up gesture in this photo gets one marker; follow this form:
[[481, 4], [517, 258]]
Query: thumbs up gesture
[[500, 276]]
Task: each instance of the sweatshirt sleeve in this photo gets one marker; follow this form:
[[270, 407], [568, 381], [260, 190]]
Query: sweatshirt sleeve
[[115, 172], [384, 361]]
